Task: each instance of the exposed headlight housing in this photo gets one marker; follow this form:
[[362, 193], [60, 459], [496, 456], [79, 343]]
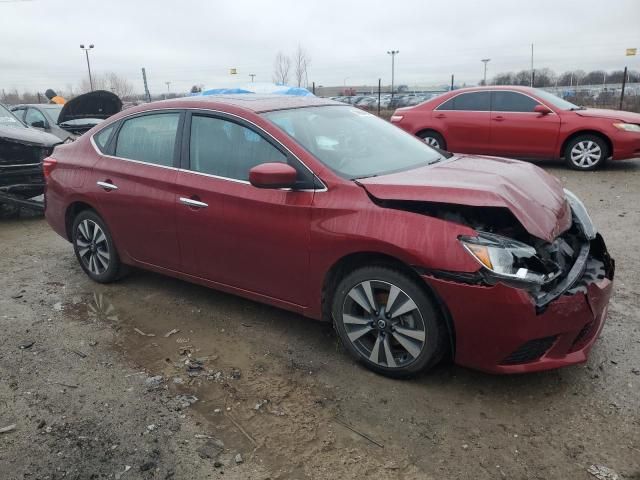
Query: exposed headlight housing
[[510, 261], [627, 127], [580, 215]]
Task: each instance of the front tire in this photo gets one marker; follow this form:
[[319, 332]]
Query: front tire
[[387, 322], [94, 247], [586, 152]]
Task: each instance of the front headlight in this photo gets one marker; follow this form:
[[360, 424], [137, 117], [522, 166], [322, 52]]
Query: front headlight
[[580, 214], [510, 261], [627, 127]]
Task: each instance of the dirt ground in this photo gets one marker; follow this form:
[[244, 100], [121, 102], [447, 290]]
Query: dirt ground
[[82, 385]]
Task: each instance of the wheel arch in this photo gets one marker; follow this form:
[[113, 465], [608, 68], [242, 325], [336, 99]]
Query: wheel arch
[[353, 261], [72, 211], [425, 130], [578, 133]]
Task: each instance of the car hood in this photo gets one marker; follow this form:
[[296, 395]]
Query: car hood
[[99, 104], [534, 197], [628, 117], [28, 136]]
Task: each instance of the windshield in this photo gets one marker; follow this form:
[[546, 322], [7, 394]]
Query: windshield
[[7, 119], [52, 110], [353, 143], [556, 101]]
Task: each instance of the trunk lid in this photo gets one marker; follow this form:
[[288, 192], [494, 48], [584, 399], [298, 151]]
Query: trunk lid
[[534, 197]]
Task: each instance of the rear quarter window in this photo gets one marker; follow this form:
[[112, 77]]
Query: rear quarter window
[[102, 138]]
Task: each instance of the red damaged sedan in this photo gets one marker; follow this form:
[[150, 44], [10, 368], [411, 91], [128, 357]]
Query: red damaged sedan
[[323, 209], [523, 122]]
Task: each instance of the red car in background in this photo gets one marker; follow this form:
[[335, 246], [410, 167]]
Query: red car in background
[[328, 211], [522, 122]]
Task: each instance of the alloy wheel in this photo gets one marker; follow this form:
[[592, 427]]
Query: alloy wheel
[[432, 142], [93, 247], [586, 154], [384, 324]]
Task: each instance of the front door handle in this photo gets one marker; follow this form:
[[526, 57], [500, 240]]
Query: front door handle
[[190, 202], [441, 115], [107, 185], [498, 118]]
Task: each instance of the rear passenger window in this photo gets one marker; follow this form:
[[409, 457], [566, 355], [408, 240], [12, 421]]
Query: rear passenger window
[[102, 137], [474, 101], [512, 102], [226, 149], [150, 138]]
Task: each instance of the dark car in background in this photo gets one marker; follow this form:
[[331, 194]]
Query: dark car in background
[[22, 150], [72, 119]]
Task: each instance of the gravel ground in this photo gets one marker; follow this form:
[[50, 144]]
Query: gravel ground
[[96, 388]]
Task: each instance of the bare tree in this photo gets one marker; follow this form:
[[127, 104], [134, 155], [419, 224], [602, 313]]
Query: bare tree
[[110, 81], [281, 68], [301, 62]]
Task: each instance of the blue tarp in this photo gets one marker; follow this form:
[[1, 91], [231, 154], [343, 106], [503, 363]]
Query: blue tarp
[[259, 88]]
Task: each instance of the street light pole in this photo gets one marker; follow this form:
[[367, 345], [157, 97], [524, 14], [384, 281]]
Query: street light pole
[[86, 51], [485, 61], [252, 75], [393, 54]]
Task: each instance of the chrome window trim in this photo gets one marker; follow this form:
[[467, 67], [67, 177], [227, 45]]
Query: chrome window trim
[[235, 180], [553, 112]]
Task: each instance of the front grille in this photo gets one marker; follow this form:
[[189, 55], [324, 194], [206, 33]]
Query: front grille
[[530, 351]]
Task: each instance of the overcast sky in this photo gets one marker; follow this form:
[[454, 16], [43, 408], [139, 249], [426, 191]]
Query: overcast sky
[[196, 42]]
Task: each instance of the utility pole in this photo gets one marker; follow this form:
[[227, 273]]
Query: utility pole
[[393, 54], [452, 82], [532, 65], [379, 94], [146, 87], [485, 61], [86, 51], [168, 84], [252, 75], [624, 83]]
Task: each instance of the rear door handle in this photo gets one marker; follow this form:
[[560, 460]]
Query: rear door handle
[[190, 202], [107, 185], [498, 118]]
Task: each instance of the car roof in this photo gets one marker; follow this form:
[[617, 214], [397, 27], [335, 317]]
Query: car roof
[[252, 102], [517, 88]]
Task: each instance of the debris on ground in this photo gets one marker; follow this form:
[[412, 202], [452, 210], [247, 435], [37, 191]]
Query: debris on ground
[[17, 295], [26, 344], [635, 371], [259, 405], [119, 475], [146, 466], [603, 473], [171, 332], [217, 464], [239, 458], [140, 332], [194, 367], [8, 428], [186, 400], [80, 354], [153, 383]]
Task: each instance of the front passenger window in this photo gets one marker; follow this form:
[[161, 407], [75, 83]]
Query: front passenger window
[[227, 149], [149, 138]]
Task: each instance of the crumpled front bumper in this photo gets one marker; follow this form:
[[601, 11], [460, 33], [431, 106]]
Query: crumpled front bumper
[[499, 329]]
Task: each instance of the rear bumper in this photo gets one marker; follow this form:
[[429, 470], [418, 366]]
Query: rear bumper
[[499, 330]]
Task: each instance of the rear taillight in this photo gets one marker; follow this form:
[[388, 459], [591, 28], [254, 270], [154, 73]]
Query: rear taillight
[[396, 118], [48, 164]]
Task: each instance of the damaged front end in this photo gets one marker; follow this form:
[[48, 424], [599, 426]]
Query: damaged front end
[[510, 255]]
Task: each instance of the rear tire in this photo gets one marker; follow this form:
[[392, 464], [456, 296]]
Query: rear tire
[[586, 152], [433, 139], [388, 322], [94, 247]]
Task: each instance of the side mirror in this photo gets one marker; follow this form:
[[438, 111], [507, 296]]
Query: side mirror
[[542, 110], [273, 175], [38, 124]]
